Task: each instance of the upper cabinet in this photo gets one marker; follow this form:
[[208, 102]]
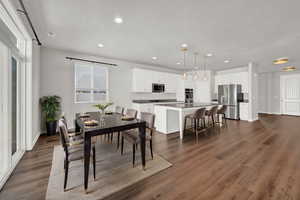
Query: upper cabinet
[[142, 80], [233, 78]]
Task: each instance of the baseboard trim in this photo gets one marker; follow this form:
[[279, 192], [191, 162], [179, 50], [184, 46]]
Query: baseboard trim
[[270, 113], [34, 141]]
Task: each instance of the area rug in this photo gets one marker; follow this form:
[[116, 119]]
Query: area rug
[[113, 173]]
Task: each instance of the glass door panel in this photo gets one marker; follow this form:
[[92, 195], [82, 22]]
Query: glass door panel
[[14, 102]]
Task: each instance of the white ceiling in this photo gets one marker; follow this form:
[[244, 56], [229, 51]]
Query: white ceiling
[[241, 30]]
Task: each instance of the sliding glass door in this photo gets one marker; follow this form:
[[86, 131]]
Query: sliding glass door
[[12, 138]]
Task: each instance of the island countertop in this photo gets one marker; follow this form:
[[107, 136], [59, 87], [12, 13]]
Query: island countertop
[[187, 105]]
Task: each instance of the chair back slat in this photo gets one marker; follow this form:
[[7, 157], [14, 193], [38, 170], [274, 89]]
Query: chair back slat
[[131, 113]]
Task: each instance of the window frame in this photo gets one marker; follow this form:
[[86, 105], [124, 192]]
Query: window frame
[[92, 88]]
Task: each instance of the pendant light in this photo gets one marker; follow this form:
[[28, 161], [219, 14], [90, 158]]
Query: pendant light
[[184, 50], [205, 78], [195, 74]]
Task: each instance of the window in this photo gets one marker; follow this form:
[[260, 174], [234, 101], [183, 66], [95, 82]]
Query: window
[[90, 83]]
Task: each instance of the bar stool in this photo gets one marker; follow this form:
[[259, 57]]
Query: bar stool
[[211, 113], [196, 117], [221, 112]]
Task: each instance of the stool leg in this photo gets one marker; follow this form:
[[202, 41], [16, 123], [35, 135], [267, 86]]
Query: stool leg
[[184, 126]]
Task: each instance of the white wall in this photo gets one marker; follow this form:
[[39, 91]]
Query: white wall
[[269, 91], [57, 78]]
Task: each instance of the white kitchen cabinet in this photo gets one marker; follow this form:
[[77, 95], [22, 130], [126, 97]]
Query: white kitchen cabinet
[[143, 79], [232, 78], [244, 111]]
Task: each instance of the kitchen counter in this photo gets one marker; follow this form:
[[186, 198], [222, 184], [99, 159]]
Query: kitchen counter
[[188, 105], [155, 101]]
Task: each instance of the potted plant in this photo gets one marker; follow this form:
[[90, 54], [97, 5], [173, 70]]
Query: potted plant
[[103, 106], [50, 107]]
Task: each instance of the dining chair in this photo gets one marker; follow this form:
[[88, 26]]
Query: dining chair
[[73, 150], [132, 136], [211, 114], [129, 113], [221, 113], [70, 133], [195, 118], [119, 110]]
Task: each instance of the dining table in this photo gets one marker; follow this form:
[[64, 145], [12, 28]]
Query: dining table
[[106, 123]]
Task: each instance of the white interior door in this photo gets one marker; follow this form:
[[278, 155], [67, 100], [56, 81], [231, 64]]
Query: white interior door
[[290, 94]]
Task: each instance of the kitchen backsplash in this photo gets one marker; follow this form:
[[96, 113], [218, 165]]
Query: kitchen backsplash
[[144, 96]]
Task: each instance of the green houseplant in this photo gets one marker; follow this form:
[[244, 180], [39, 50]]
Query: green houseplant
[[103, 106], [50, 107]]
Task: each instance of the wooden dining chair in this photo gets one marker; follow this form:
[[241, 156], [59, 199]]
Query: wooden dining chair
[[129, 113], [132, 136], [73, 150]]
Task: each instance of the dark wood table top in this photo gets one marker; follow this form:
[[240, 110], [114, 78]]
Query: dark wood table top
[[109, 123]]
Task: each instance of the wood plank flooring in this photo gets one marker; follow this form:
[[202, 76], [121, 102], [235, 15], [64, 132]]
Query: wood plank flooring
[[254, 161]]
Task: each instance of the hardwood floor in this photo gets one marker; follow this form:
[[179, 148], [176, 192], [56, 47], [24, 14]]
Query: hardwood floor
[[255, 161]]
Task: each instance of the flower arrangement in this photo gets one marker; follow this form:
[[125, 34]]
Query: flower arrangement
[[103, 106]]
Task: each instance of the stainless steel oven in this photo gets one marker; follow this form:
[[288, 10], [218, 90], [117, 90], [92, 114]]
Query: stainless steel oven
[[158, 88]]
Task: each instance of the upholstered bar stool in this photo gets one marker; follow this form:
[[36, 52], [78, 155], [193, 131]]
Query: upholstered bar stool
[[211, 114], [195, 119], [221, 113]]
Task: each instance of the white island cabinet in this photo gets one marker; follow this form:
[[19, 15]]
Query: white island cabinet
[[169, 118]]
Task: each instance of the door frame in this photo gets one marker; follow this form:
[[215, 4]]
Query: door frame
[[14, 23], [282, 91]]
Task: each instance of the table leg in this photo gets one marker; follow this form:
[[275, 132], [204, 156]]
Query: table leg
[[142, 134], [87, 154]]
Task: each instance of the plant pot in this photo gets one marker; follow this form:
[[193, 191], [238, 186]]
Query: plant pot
[[51, 128]]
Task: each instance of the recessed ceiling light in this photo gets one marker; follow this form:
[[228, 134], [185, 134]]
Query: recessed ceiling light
[[100, 45], [209, 54], [226, 61], [178, 63], [154, 58], [289, 69], [280, 61], [184, 45], [51, 34], [118, 20]]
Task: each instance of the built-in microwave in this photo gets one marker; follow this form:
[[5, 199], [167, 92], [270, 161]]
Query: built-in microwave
[[158, 88]]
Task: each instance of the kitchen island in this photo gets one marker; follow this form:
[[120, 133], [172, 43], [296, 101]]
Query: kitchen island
[[170, 117]]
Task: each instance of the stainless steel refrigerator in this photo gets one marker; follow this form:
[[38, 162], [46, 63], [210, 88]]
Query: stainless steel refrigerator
[[229, 95]]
